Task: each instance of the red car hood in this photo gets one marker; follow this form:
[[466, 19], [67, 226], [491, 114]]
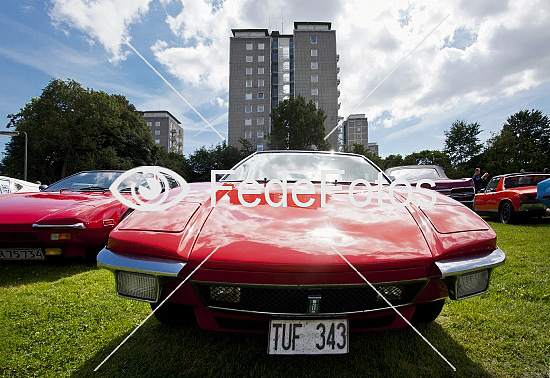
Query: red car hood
[[294, 239], [28, 208]]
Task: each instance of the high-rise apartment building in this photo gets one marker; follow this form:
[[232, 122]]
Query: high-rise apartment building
[[166, 130], [355, 129], [266, 68]]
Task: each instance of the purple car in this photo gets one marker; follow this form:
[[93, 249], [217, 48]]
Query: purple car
[[461, 190]]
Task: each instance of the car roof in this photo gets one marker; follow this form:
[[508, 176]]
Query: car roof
[[520, 174]]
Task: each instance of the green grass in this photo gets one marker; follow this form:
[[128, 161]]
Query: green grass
[[62, 319]]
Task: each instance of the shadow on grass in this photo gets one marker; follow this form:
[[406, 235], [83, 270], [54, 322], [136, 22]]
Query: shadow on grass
[[16, 273], [158, 350], [523, 221]]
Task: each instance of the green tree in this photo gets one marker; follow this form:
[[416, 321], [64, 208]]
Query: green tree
[[462, 142], [221, 156], [523, 143], [429, 157], [297, 125], [392, 161], [73, 129]]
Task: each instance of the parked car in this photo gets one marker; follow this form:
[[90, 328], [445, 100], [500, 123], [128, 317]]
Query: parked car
[[13, 185], [543, 193], [461, 190], [279, 269], [511, 196], [70, 218]]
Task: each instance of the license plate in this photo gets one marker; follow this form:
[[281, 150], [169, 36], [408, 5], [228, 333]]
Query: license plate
[[315, 336], [21, 254]]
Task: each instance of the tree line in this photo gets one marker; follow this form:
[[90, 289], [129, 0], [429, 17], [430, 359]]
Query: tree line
[[72, 129]]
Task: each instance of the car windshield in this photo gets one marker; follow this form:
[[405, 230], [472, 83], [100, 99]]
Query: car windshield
[[86, 181], [306, 166], [525, 180], [411, 174]]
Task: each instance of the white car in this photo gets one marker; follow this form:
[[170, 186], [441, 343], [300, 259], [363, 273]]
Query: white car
[[12, 185]]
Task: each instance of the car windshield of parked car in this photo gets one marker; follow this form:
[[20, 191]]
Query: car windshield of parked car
[[85, 181], [412, 174], [306, 166], [524, 180]]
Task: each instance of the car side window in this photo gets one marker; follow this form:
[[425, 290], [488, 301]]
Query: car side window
[[492, 185]]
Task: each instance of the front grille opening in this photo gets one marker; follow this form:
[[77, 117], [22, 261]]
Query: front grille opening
[[296, 299]]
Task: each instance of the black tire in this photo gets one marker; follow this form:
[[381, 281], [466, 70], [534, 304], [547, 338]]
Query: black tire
[[506, 212], [428, 312], [174, 314]]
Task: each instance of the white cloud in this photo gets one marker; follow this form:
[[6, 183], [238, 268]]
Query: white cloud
[[105, 20]]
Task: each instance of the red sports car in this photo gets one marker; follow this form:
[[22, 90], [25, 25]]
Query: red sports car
[[70, 218], [511, 196], [461, 189], [291, 246]]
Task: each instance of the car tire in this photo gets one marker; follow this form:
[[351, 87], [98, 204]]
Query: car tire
[[174, 314], [506, 212], [428, 312]]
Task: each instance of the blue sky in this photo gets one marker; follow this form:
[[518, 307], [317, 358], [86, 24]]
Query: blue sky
[[486, 61]]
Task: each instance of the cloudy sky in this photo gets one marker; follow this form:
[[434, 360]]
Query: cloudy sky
[[485, 61]]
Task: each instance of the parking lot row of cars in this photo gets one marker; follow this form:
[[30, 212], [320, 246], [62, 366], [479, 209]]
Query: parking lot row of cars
[[281, 270]]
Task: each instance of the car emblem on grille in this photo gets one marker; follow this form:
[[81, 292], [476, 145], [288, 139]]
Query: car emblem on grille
[[314, 304]]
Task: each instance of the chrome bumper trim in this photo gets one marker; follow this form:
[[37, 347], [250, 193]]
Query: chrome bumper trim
[[79, 226], [156, 267], [458, 266]]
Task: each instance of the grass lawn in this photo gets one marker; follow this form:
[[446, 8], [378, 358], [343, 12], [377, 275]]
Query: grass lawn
[[62, 319]]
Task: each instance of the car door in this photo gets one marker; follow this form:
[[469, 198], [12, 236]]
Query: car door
[[485, 201]]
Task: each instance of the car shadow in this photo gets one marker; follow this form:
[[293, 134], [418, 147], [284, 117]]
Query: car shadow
[[17, 273], [159, 350]]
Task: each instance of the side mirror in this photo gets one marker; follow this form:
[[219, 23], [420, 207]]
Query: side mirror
[[392, 178], [43, 187], [219, 176], [482, 190]]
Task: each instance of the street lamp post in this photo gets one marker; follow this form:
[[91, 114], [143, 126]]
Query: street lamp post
[[16, 133]]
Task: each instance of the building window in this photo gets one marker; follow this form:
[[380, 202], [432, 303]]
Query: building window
[[259, 134], [260, 109], [260, 96], [314, 91], [249, 59], [157, 141], [313, 52], [260, 83], [149, 123], [261, 58], [157, 123], [249, 46], [286, 66], [313, 40], [248, 96], [248, 134], [314, 78], [317, 105], [261, 46], [286, 89], [249, 83], [157, 132], [260, 71], [260, 121], [248, 122], [259, 147], [314, 65], [248, 109], [249, 71], [286, 77], [358, 129]]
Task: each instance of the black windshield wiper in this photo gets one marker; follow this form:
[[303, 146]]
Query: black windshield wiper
[[93, 188]]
